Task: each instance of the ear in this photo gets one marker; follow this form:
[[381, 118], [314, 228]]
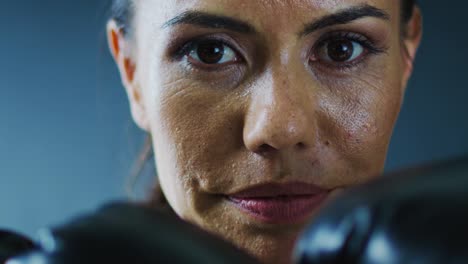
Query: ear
[[120, 49], [411, 41]]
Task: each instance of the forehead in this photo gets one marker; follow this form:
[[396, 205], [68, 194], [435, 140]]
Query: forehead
[[264, 14]]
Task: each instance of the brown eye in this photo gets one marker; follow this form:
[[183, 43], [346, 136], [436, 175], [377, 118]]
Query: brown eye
[[340, 50], [212, 52]]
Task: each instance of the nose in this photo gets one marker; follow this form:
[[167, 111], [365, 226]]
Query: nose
[[280, 114]]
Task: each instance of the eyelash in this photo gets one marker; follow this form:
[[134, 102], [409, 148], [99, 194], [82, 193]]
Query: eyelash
[[187, 47], [369, 49]]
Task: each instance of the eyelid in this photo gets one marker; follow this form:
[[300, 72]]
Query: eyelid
[[193, 55], [369, 45], [184, 49], [367, 42]]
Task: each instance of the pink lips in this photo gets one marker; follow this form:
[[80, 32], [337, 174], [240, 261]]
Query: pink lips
[[280, 203]]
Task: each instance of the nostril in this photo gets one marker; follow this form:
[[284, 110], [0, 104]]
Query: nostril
[[301, 145], [265, 148]]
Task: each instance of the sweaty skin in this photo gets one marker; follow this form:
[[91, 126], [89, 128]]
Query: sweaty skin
[[276, 112]]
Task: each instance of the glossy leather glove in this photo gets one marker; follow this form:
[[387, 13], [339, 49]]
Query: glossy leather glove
[[12, 244], [125, 233], [416, 216]]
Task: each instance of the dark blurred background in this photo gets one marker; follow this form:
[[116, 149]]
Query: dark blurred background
[[67, 142]]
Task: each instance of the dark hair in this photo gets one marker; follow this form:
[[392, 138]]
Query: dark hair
[[122, 13], [407, 8]]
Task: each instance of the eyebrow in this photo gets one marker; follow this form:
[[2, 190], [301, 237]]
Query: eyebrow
[[344, 17], [207, 20]]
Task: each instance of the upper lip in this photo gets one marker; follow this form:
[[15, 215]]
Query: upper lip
[[277, 189]]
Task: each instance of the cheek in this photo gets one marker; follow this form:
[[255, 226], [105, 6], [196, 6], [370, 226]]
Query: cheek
[[194, 131], [358, 115]]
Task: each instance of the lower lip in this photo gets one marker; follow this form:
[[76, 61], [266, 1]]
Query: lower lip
[[280, 210]]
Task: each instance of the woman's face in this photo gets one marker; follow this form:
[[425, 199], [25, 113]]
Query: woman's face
[[240, 93]]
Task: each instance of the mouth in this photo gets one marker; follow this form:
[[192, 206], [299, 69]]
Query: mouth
[[279, 203]]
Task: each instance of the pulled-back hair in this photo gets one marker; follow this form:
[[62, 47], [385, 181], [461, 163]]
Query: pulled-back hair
[[122, 13]]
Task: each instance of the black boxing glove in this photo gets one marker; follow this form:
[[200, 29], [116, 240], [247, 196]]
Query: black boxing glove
[[13, 244], [124, 233], [416, 216]]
